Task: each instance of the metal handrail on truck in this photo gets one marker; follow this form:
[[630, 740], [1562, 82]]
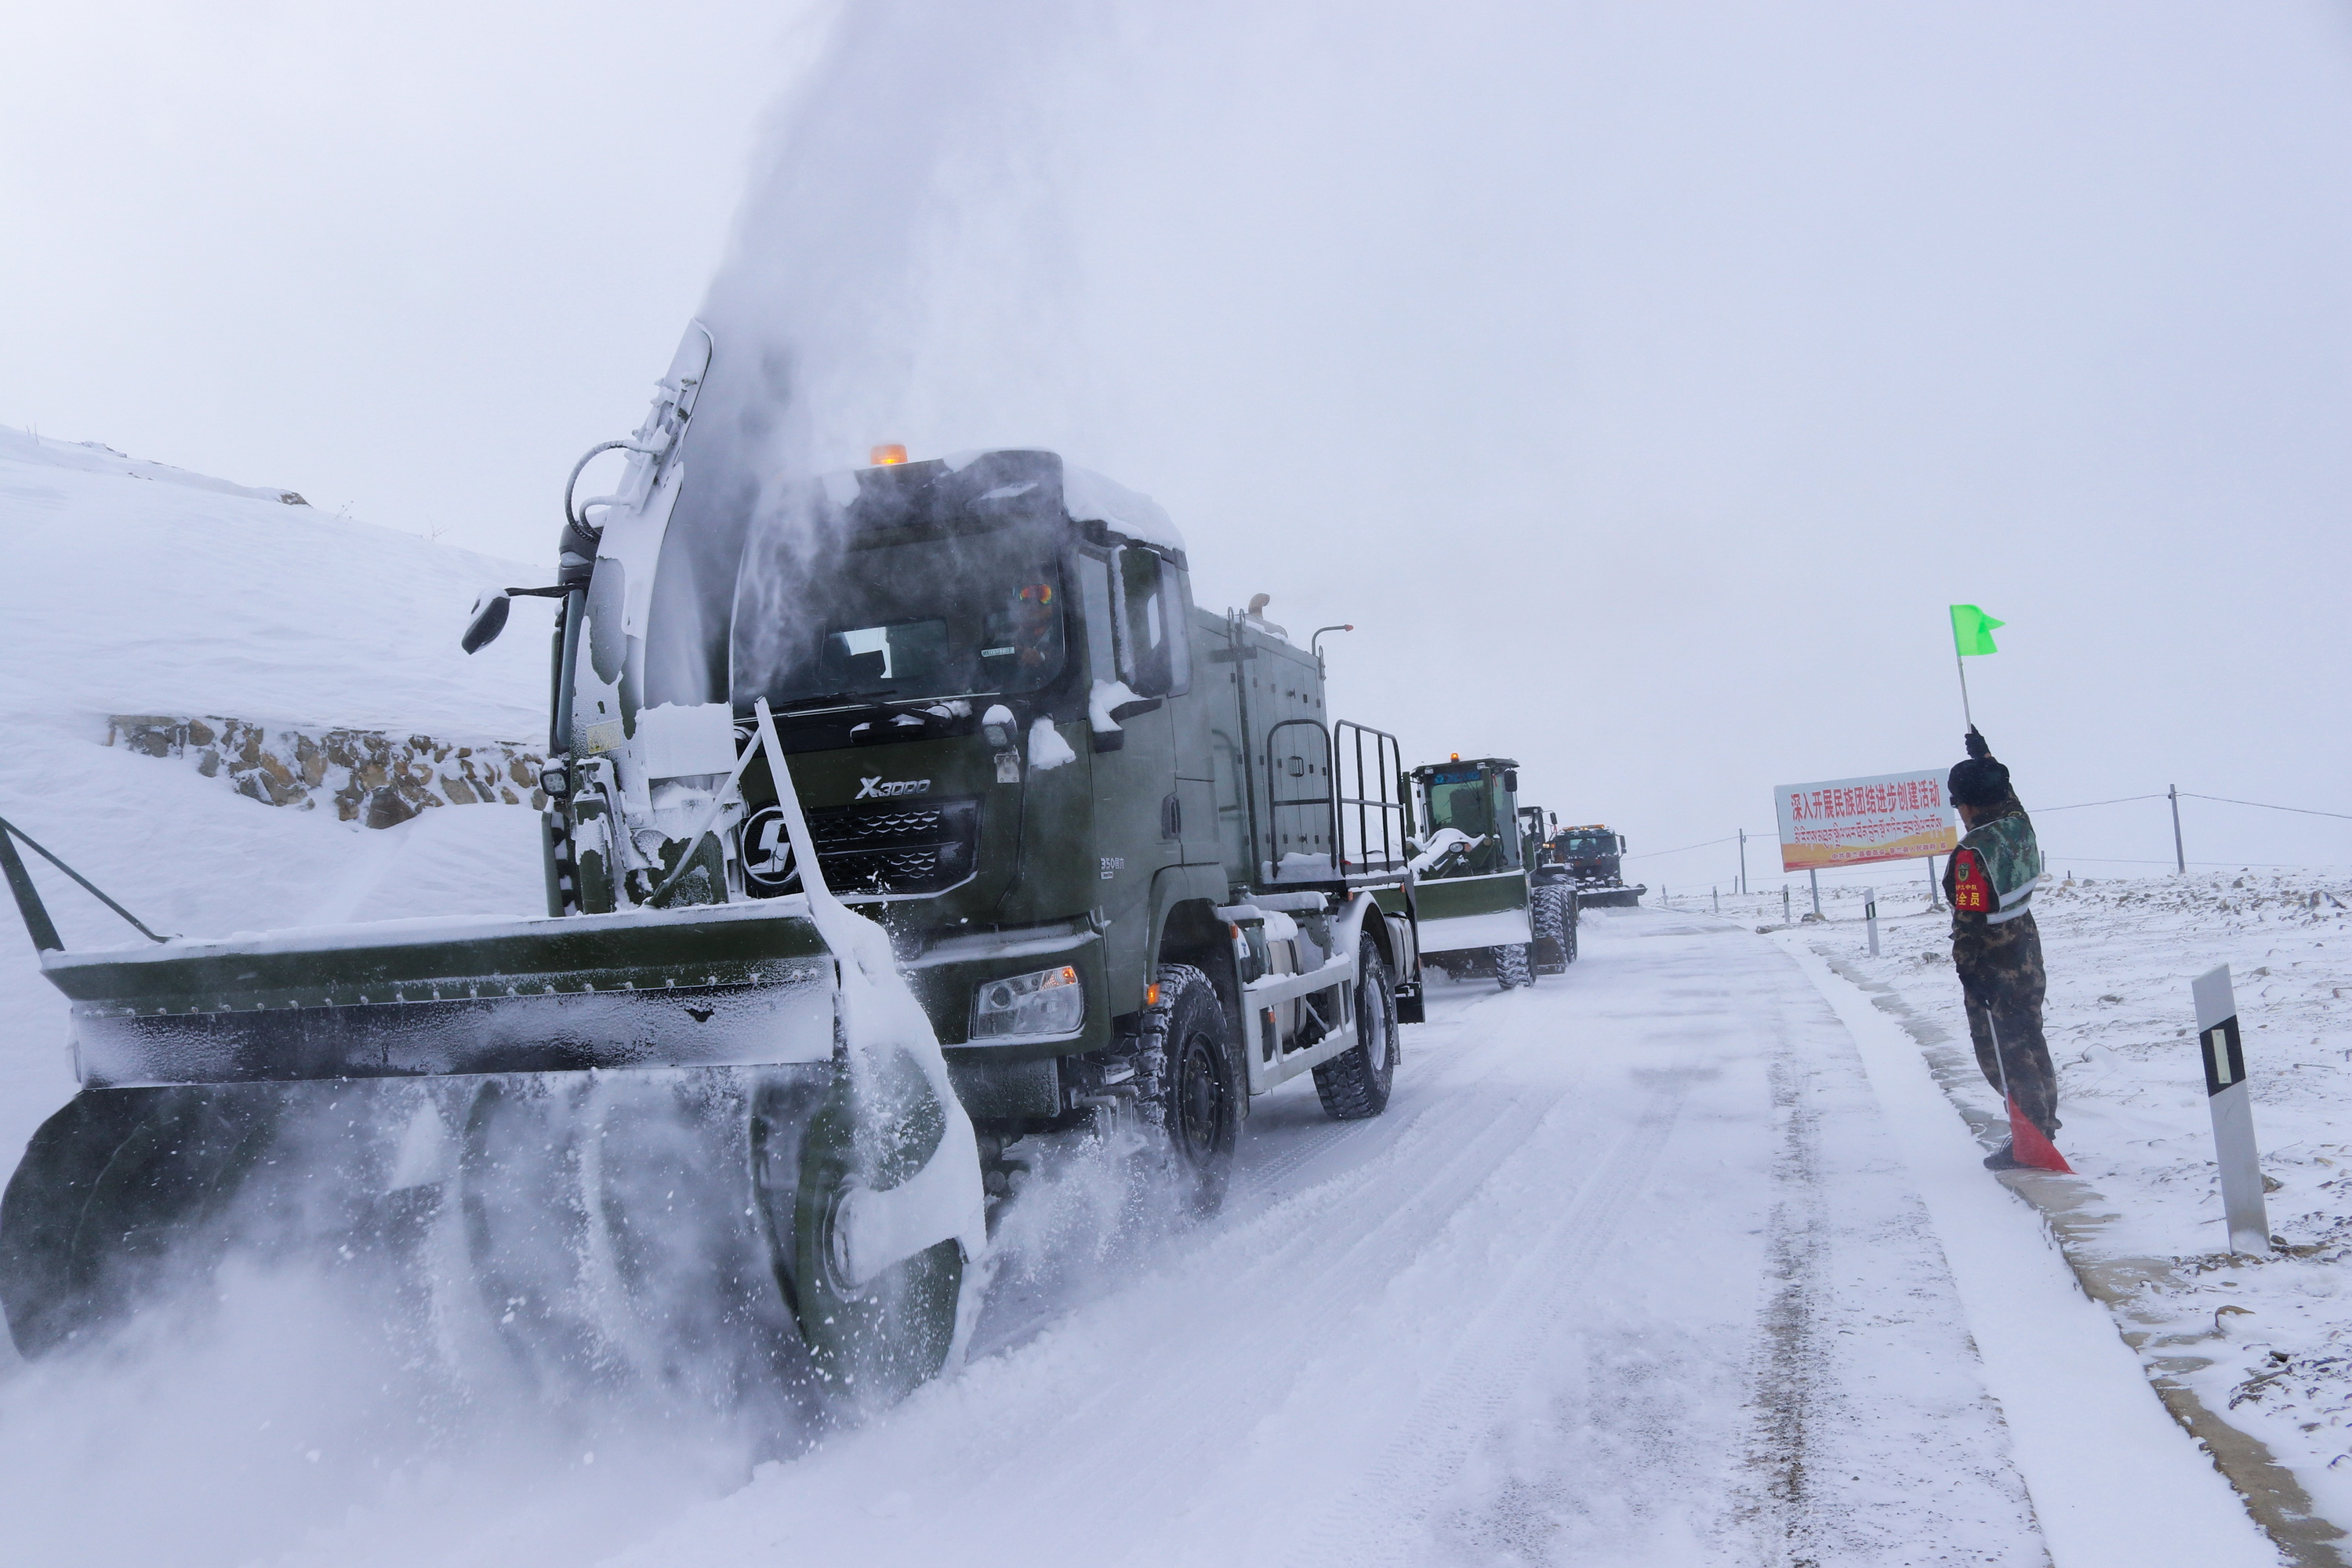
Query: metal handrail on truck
[[1387, 771]]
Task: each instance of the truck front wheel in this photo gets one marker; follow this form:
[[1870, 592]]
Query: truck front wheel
[[1193, 1082]]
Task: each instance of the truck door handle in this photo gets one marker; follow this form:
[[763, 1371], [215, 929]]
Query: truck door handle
[[1171, 816]]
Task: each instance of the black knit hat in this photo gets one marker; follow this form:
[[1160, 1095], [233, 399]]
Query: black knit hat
[[1980, 781]]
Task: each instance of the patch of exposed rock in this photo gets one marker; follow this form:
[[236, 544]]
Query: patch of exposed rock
[[373, 778]]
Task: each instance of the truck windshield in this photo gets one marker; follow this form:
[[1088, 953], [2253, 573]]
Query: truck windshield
[[949, 616], [1461, 806], [1589, 844]]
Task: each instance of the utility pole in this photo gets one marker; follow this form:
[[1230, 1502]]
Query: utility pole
[[2180, 856], [1743, 862]]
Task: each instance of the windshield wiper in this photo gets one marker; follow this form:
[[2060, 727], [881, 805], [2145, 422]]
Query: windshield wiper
[[847, 698]]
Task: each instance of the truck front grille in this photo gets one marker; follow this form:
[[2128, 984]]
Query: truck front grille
[[895, 846]]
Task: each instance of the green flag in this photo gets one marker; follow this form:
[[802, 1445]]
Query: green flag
[[1972, 630]]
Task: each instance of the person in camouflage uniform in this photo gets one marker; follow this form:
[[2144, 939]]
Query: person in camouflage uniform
[[1989, 881]]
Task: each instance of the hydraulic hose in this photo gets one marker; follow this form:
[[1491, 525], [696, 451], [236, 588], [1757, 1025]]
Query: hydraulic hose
[[577, 517]]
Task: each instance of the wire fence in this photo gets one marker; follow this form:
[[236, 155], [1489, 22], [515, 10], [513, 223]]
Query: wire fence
[[1793, 899], [1899, 895]]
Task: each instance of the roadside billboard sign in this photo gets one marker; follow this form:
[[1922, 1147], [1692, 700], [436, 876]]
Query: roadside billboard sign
[[1854, 822]]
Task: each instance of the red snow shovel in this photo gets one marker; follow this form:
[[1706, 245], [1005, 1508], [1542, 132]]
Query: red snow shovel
[[2028, 1144]]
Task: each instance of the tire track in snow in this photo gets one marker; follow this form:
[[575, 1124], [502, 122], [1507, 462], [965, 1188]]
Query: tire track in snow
[[1316, 1254], [1374, 1523], [1319, 1271], [1789, 1353], [1288, 1137], [1299, 1134], [1812, 1496]]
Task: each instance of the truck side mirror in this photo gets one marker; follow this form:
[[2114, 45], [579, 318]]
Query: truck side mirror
[[488, 619], [1511, 780]]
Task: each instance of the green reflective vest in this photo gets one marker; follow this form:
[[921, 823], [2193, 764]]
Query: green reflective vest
[[2006, 852]]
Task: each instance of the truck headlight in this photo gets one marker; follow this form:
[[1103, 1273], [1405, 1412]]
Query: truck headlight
[[1048, 1002]]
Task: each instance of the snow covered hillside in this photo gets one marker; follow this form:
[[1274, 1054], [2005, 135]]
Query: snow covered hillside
[[2267, 1343], [131, 587]]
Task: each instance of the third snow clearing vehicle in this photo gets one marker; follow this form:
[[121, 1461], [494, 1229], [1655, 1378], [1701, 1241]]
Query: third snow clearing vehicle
[[1058, 846], [1593, 857], [1478, 913]]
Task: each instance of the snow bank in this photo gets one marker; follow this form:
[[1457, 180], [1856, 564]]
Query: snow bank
[[2266, 1344]]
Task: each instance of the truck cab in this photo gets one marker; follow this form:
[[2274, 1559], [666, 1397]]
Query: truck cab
[[1593, 857], [1020, 746]]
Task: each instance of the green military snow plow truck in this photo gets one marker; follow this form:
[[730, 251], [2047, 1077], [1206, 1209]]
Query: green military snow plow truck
[[1481, 909], [1057, 848], [1593, 857]]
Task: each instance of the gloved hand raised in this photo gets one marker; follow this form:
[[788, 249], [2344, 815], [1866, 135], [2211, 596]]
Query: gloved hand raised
[[1976, 744]]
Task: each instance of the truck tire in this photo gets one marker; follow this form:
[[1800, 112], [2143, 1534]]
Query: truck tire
[[1354, 1085], [1511, 965], [1191, 1065], [871, 1342], [1555, 944]]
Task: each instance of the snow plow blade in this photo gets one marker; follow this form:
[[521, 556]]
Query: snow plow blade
[[1610, 898], [348, 1086], [699, 988]]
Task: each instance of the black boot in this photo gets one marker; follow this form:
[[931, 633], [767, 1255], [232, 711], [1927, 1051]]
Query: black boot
[[2003, 1159]]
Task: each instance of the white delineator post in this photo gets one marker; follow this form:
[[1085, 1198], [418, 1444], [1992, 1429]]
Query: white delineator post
[[2233, 1114], [1870, 917]]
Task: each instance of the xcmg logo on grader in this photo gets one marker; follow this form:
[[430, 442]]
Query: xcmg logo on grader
[[874, 789]]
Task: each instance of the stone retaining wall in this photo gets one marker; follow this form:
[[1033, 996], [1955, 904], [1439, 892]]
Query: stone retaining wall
[[373, 778]]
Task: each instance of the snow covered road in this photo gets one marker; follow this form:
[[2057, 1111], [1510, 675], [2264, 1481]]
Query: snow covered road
[[1636, 1270], [1632, 1271]]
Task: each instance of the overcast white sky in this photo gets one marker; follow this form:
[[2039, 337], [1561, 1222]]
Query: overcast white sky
[[1641, 379]]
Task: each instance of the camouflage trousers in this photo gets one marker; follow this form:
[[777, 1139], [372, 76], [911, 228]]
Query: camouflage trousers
[[2002, 981]]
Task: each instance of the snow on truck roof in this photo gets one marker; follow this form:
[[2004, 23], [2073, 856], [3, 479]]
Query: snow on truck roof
[[1086, 496]]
